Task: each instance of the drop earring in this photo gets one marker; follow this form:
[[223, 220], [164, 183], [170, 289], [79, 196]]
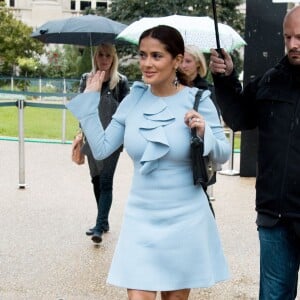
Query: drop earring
[[175, 81]]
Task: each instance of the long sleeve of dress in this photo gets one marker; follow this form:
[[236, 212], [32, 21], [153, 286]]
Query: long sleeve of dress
[[85, 109], [215, 142]]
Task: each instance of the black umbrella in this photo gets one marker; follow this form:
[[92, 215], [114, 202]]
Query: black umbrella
[[88, 30]]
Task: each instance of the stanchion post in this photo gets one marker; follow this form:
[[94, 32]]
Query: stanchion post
[[11, 83], [230, 171], [64, 115], [40, 87], [21, 105]]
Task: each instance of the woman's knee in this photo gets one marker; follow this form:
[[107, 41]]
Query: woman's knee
[[176, 295], [141, 295]]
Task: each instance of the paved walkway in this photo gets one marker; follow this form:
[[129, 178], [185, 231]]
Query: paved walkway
[[45, 254]]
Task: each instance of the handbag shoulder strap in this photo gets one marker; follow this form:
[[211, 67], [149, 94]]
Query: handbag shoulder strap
[[197, 99], [195, 107]]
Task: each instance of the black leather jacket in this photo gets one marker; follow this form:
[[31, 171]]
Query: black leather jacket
[[272, 104]]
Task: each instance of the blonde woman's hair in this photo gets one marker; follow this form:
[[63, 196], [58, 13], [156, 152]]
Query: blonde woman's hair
[[199, 58], [114, 74]]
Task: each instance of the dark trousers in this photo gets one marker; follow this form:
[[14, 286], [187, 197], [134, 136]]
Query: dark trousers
[[279, 262], [103, 188]]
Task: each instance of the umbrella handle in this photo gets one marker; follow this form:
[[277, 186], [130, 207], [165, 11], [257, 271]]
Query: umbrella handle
[[217, 34], [220, 54], [214, 7]]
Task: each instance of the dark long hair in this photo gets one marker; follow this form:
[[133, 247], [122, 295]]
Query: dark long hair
[[173, 42]]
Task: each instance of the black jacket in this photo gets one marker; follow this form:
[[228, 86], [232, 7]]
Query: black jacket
[[272, 104]]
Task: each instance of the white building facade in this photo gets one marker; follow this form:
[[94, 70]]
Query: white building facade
[[36, 12]]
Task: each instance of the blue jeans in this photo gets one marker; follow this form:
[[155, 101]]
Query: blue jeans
[[279, 262], [103, 187]]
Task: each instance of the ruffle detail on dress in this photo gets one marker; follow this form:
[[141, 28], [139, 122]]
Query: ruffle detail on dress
[[156, 117]]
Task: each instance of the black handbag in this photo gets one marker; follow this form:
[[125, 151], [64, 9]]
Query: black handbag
[[202, 166]]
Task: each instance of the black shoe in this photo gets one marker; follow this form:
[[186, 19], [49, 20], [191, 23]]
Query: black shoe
[[90, 231], [105, 228], [97, 237]]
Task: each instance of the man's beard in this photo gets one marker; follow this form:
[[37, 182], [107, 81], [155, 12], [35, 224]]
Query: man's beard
[[294, 57]]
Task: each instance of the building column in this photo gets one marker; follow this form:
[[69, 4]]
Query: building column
[[42, 8], [77, 5]]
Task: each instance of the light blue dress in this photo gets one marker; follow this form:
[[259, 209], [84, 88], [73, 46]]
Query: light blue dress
[[169, 238]]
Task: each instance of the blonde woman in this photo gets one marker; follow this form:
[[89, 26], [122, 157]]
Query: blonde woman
[[115, 87], [194, 65]]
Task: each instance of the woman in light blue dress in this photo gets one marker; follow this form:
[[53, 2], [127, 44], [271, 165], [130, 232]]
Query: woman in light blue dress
[[169, 240]]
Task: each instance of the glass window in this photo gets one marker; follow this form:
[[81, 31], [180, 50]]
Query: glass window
[[101, 4], [85, 4]]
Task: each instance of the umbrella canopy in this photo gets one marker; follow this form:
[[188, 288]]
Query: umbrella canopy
[[199, 31], [88, 30]]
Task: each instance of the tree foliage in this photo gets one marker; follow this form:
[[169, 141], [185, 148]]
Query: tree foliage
[[128, 11], [85, 61], [15, 41], [65, 61]]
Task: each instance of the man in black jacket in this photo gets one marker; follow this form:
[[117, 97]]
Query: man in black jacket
[[272, 104]]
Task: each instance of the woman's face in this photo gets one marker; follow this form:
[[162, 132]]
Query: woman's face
[[189, 66], [104, 59], [157, 64]]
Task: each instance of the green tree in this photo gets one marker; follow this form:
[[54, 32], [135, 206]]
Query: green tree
[[78, 60], [84, 63], [56, 65], [28, 66], [66, 61], [128, 11], [15, 41]]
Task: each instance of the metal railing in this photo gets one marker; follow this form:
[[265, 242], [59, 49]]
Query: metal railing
[[19, 99], [61, 94]]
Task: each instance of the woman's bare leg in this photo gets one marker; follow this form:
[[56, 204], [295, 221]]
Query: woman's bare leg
[[176, 295], [140, 295]]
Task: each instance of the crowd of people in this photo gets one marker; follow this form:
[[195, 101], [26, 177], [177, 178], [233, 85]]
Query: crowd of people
[[169, 241]]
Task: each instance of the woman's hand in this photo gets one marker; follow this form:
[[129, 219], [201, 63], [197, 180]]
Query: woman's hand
[[94, 82], [194, 120]]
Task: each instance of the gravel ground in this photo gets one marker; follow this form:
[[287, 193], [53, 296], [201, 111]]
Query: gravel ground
[[45, 254]]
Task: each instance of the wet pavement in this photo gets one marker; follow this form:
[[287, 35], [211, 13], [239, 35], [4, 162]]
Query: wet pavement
[[45, 254]]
